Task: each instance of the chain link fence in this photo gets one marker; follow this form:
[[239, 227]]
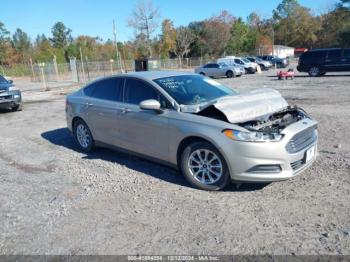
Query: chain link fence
[[82, 72]]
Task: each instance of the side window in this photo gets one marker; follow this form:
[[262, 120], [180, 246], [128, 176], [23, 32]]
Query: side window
[[207, 66], [334, 54], [88, 90], [108, 89], [215, 66], [238, 61], [136, 91]]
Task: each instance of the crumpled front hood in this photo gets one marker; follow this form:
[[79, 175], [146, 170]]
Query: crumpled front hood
[[251, 105], [242, 107]]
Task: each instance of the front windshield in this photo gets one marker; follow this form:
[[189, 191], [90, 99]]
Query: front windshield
[[245, 60], [193, 89], [3, 80]]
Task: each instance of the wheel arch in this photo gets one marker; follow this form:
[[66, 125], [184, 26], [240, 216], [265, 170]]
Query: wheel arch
[[192, 139]]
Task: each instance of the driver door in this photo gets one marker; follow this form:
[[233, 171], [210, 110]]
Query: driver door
[[144, 131]]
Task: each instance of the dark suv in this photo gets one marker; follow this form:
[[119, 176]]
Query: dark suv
[[320, 61]]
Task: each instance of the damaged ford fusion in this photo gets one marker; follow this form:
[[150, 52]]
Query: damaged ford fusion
[[211, 133]]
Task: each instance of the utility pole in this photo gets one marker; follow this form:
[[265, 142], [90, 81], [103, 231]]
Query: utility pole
[[273, 41], [116, 47]]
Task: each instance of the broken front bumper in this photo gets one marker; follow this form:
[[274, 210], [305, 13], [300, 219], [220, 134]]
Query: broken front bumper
[[273, 161]]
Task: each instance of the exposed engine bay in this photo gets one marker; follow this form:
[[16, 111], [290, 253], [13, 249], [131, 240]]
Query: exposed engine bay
[[276, 122], [262, 110]]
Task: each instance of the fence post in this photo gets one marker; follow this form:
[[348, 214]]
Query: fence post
[[73, 68], [41, 65], [111, 65], [56, 68]]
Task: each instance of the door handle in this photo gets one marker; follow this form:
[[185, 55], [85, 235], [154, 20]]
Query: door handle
[[126, 110], [89, 104]]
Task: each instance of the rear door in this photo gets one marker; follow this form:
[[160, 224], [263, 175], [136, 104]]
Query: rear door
[[144, 131], [210, 69], [104, 107], [333, 60]]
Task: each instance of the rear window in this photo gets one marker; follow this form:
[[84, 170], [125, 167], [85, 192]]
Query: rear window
[[347, 53], [319, 55], [108, 89]]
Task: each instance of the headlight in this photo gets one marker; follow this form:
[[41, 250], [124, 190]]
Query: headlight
[[13, 88], [252, 136]]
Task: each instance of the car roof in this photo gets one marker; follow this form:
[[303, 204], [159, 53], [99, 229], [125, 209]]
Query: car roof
[[323, 49], [151, 75]]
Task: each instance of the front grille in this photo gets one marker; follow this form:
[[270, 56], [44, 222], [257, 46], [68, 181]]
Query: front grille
[[297, 164], [302, 140], [5, 97]]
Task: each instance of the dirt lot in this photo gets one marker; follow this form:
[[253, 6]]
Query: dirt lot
[[57, 200]]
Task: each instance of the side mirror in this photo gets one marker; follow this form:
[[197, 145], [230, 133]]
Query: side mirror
[[10, 81], [150, 104]]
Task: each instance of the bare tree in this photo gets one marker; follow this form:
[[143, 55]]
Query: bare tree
[[184, 39], [144, 20]]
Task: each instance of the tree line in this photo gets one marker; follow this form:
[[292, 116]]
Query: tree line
[[290, 24]]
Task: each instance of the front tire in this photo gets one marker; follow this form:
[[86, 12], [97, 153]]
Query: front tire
[[204, 167], [314, 71], [229, 74], [83, 136]]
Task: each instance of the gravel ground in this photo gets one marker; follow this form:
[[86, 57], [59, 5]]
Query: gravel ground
[[57, 200]]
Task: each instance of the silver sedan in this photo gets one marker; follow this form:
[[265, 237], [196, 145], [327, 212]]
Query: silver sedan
[[219, 70], [211, 133]]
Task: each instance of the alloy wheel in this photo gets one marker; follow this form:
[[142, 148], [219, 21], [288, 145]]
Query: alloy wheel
[[205, 166], [83, 136]]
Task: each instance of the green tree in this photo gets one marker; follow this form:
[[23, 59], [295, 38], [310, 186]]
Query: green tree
[[21, 43], [242, 39], [4, 40], [61, 35], [294, 25]]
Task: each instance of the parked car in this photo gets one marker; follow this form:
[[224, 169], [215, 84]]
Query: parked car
[[320, 61], [264, 65], [211, 133], [10, 95], [218, 70], [249, 67], [276, 61]]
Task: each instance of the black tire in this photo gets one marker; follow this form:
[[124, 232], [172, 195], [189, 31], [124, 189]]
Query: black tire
[[16, 108], [314, 71], [229, 74], [201, 73], [246, 71], [222, 181], [90, 145]]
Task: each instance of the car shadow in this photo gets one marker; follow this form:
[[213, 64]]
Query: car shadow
[[62, 137]]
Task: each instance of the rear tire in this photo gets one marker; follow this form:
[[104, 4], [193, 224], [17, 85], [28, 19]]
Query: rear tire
[[83, 136], [204, 167], [201, 73], [314, 71], [229, 74]]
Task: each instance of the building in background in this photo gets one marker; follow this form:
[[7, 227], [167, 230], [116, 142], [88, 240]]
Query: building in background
[[282, 51]]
